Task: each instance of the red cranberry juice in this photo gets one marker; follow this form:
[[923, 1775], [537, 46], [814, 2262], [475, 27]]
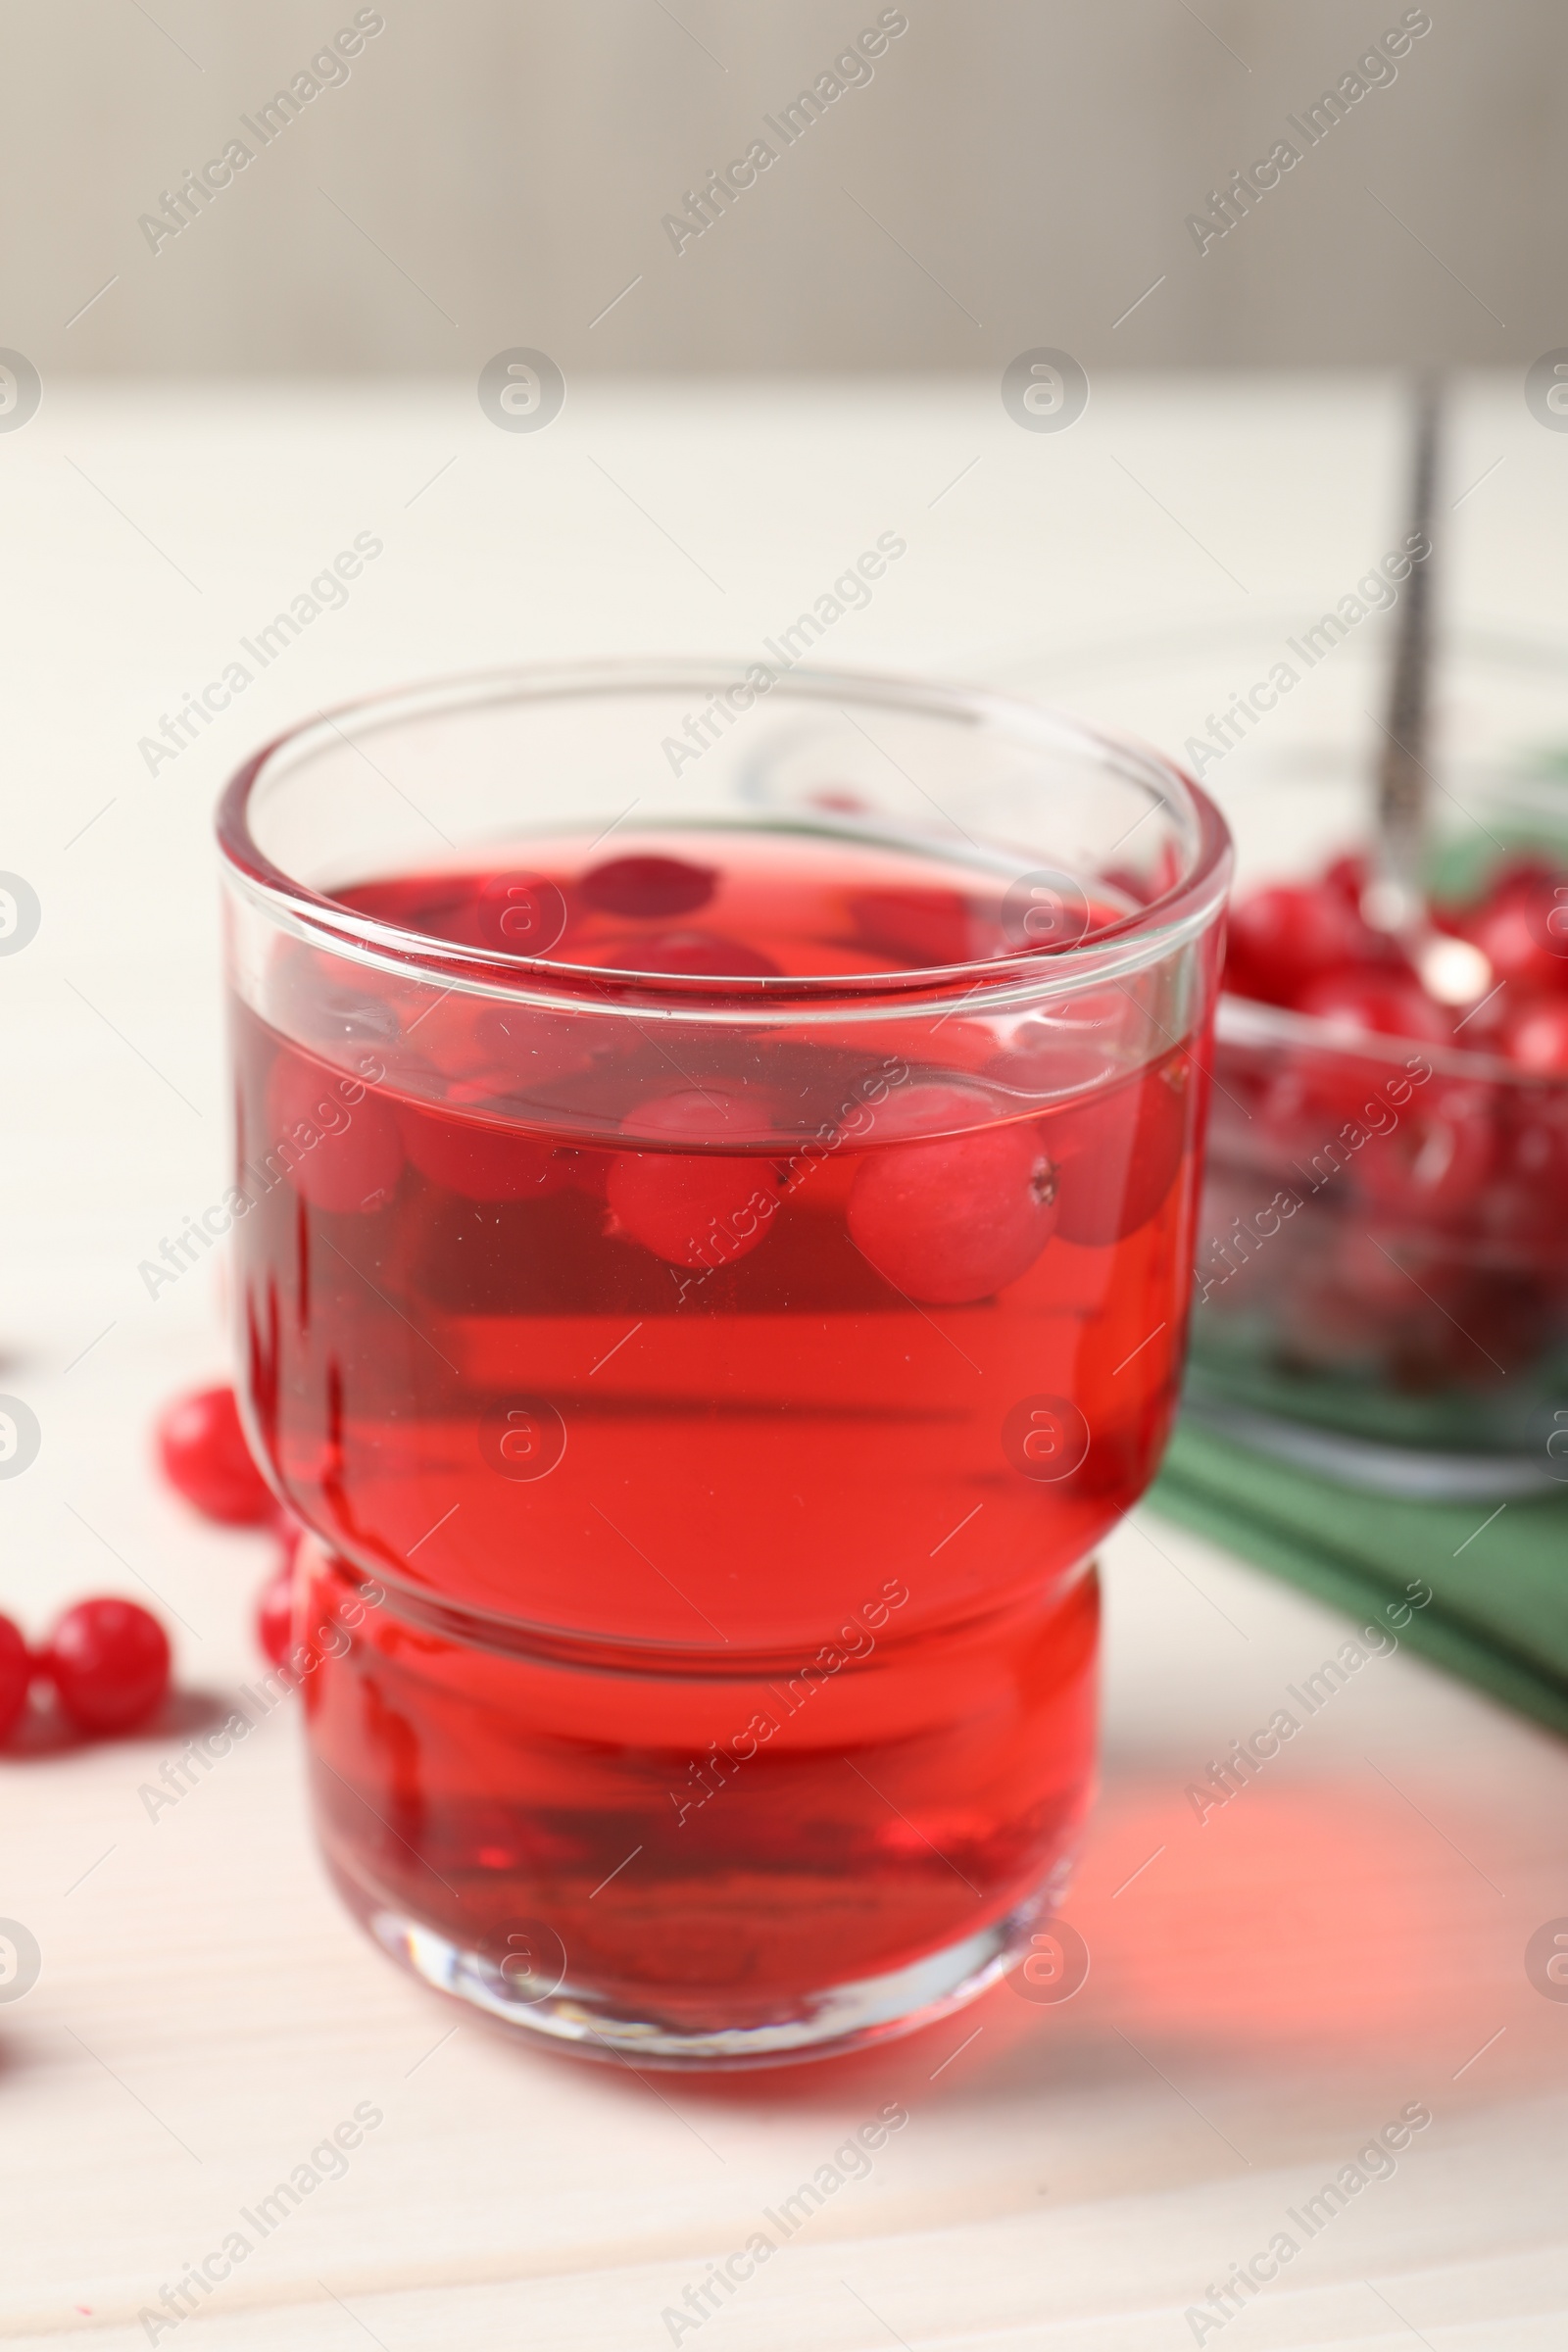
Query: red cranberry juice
[[706, 1461]]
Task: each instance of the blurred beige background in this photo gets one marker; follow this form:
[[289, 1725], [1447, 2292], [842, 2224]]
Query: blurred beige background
[[1012, 173]]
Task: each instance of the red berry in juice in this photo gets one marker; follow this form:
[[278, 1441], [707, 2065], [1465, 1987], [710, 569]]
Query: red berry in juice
[[109, 1663], [482, 1159], [204, 1456], [690, 1209], [342, 1142], [953, 1220], [15, 1673], [929, 927], [651, 886], [1118, 1155]]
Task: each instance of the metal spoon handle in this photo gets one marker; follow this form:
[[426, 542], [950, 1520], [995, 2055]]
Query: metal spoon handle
[[1402, 776]]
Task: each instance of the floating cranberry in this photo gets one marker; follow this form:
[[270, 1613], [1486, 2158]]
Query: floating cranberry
[[109, 1663], [438, 906], [925, 1110], [951, 1221], [1536, 1037], [339, 1142], [701, 1209], [1039, 1061], [916, 929], [15, 1673], [1283, 936], [476, 1159], [1357, 1003], [511, 1047], [449, 1036], [1119, 1153], [274, 1614], [330, 1002], [202, 1447], [648, 886]]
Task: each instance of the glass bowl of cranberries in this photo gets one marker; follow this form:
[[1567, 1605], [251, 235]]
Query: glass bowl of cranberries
[[1382, 1276]]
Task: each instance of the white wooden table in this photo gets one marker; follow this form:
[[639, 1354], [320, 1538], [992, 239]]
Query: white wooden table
[[1268, 1989]]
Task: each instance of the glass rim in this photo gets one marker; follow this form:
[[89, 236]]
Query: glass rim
[[1165, 923]]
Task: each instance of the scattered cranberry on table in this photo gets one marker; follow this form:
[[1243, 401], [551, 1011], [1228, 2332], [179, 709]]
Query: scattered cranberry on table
[[109, 1663], [205, 1457], [15, 1673], [107, 1659], [201, 1445]]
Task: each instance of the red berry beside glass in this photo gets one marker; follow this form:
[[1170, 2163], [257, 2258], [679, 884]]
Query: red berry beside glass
[[205, 1457], [109, 1663], [16, 1674], [201, 1441]]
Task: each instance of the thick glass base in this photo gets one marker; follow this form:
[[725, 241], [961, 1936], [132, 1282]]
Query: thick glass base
[[709, 1857], [825, 2023]]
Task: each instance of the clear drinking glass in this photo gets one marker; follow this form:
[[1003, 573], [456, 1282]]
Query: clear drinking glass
[[715, 1197]]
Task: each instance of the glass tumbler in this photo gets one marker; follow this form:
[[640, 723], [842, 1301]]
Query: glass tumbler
[[714, 1196]]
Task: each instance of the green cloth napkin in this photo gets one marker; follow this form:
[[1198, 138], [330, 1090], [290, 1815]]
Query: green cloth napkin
[[1498, 1613]]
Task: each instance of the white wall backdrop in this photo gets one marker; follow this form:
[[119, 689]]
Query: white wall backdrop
[[1005, 173]]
